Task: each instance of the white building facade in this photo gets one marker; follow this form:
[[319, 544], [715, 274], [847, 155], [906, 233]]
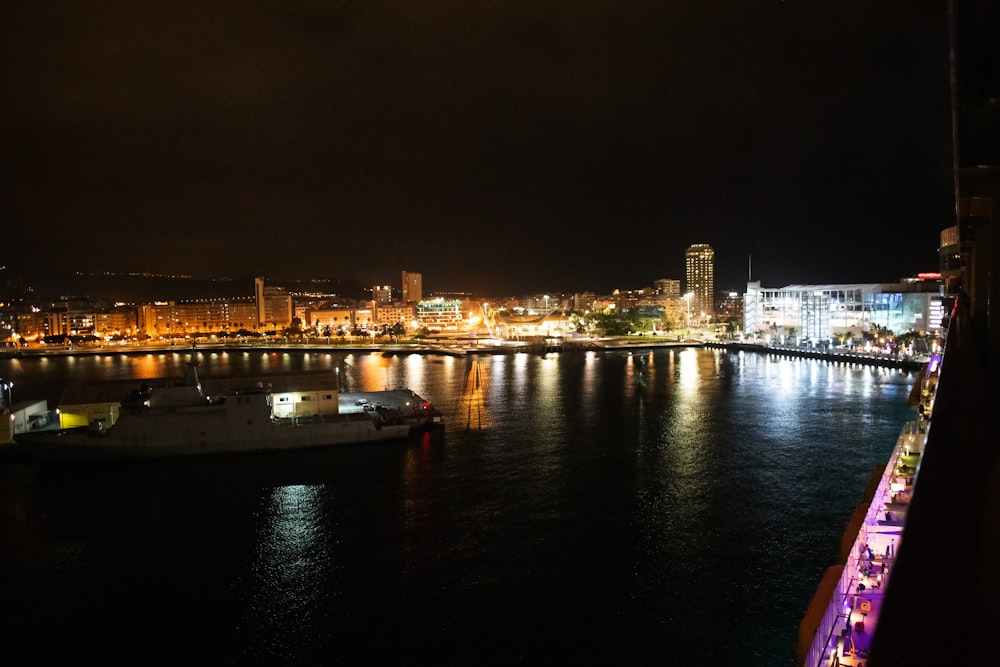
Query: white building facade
[[822, 312]]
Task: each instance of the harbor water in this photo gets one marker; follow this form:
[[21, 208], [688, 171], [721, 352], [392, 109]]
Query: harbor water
[[667, 506]]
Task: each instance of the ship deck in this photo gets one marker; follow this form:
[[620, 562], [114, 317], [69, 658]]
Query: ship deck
[[869, 568], [393, 399]]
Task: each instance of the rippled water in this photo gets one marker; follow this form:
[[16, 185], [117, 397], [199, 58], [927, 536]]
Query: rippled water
[[667, 507]]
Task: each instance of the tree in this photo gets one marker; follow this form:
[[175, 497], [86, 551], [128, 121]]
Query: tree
[[875, 332], [792, 333], [612, 324]]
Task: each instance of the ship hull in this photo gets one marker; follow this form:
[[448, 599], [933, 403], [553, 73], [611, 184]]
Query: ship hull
[[175, 420], [194, 433]]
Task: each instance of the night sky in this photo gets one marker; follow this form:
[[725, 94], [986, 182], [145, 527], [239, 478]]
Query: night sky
[[495, 147]]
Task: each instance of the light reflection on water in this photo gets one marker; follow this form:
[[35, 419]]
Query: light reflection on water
[[291, 574], [668, 502]]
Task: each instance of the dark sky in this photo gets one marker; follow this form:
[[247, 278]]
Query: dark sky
[[495, 147]]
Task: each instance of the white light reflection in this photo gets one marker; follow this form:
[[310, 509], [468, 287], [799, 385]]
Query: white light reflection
[[292, 573], [630, 375], [291, 555], [414, 367], [549, 392], [589, 376], [688, 370], [787, 384], [684, 426]]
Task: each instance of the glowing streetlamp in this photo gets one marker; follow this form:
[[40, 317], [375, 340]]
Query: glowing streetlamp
[[687, 297]]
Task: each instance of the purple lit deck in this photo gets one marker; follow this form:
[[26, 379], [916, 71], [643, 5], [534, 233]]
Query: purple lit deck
[[844, 635]]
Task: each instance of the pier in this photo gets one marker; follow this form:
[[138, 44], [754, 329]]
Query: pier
[[834, 355]]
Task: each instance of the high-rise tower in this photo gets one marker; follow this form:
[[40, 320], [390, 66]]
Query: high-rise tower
[[413, 287], [274, 305], [699, 260]]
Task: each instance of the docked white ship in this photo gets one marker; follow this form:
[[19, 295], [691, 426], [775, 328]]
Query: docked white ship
[[241, 415]]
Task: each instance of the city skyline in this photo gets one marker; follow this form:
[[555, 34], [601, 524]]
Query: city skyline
[[24, 284], [497, 149]]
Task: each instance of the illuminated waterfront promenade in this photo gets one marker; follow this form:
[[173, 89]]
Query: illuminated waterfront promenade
[[446, 347]]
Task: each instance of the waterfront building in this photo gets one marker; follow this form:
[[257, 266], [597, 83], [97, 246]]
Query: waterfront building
[[274, 305], [177, 318], [329, 319], [364, 319], [115, 321], [413, 287], [77, 319], [61, 321], [699, 261], [439, 314], [818, 313], [393, 313], [515, 325]]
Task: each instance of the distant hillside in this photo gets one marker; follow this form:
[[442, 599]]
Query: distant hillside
[[46, 285]]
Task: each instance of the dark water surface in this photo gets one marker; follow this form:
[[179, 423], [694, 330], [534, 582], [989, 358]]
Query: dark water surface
[[669, 507]]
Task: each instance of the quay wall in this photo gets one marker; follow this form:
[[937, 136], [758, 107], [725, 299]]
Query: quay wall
[[437, 348]]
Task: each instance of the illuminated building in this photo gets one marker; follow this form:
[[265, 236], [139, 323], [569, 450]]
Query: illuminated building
[[730, 307], [413, 287], [382, 295], [820, 312], [274, 305], [584, 301], [667, 287], [439, 314], [516, 325], [699, 261], [195, 316], [334, 317], [392, 313], [952, 256]]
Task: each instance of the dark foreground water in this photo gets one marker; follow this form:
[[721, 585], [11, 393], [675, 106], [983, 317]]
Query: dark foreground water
[[669, 508]]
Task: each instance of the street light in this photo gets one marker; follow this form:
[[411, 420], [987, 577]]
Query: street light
[[687, 297]]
